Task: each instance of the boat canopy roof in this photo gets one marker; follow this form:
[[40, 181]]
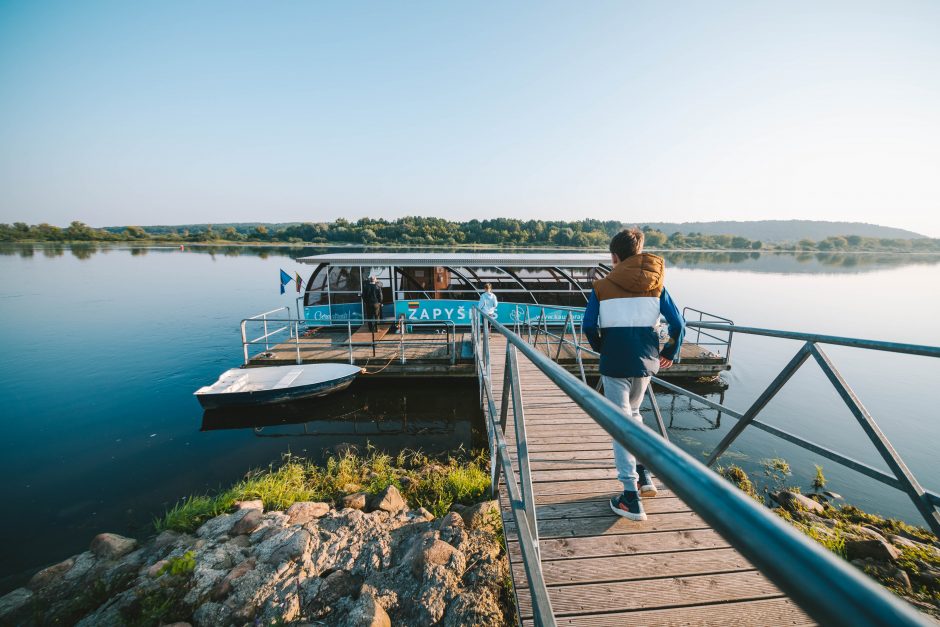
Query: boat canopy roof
[[513, 260]]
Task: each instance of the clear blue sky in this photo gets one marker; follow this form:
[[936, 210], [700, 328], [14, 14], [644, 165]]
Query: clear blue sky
[[173, 112]]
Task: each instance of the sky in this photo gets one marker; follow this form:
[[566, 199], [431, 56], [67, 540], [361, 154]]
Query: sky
[[174, 112]]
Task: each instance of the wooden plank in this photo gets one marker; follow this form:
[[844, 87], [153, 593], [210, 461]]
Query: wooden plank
[[776, 612], [653, 593], [606, 546], [599, 507], [615, 525], [636, 567]]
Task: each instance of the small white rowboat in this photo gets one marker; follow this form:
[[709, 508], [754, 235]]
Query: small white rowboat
[[275, 384]]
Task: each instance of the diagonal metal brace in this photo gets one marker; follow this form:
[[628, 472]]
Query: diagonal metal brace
[[788, 371], [904, 475]]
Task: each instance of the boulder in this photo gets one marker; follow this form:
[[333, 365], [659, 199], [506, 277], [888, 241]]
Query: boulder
[[255, 504], [50, 574], [247, 523], [356, 500], [866, 533], [15, 606], [111, 546], [223, 588], [283, 546], [797, 502], [422, 512], [156, 569], [875, 549], [320, 595], [388, 500], [436, 553], [305, 511], [478, 607], [485, 515], [367, 612], [452, 519]]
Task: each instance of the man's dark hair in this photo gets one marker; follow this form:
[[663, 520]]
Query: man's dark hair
[[627, 243]]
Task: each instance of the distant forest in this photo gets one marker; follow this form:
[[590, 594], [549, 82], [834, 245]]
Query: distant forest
[[416, 231]]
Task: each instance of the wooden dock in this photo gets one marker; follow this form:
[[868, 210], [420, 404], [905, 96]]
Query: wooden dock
[[600, 569], [439, 354]]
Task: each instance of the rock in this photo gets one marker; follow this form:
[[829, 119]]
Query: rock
[[389, 500], [15, 606], [355, 501], [322, 594], [247, 523], [283, 546], [256, 504], [50, 574], [902, 579], [797, 502], [474, 607], [305, 511], [452, 519], [422, 512], [166, 538], [112, 546], [437, 553], [875, 549], [156, 569], [220, 525], [483, 515], [367, 612], [223, 588], [180, 624], [866, 532]]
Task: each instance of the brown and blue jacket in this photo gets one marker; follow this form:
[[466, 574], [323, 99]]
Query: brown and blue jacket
[[622, 316]]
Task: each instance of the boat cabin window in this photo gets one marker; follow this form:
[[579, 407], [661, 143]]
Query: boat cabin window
[[316, 287]]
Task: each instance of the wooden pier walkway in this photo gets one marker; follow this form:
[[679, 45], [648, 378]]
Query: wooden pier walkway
[[671, 569]]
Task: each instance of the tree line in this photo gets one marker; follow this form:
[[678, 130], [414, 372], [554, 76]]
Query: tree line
[[418, 231]]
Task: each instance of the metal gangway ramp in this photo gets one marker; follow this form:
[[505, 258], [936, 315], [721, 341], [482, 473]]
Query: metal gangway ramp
[[706, 555]]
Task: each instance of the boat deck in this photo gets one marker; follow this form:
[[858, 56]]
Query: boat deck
[[440, 354], [671, 569]]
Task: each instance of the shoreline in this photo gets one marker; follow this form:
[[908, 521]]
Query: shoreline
[[368, 549]]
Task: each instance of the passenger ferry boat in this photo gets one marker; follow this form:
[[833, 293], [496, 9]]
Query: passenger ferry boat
[[426, 317], [446, 286]]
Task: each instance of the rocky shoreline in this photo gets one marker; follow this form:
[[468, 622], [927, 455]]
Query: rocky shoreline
[[371, 561]]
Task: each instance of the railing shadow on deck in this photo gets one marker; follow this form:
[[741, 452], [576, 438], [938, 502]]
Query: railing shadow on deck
[[824, 586]]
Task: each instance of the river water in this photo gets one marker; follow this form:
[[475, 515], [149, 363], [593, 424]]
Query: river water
[[105, 345]]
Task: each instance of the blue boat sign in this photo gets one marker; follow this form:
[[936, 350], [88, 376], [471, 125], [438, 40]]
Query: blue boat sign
[[456, 311]]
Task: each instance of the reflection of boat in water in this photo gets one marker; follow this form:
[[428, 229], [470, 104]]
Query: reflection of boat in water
[[275, 384], [391, 416]]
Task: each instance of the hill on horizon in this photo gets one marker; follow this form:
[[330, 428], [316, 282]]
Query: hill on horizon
[[784, 230]]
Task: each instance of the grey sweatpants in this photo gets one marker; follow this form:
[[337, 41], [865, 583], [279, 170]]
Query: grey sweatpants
[[628, 395]]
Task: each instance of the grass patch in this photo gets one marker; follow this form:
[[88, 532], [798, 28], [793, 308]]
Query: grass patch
[[435, 484], [737, 476]]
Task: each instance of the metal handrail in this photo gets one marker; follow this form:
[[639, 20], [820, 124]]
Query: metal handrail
[[900, 478], [520, 492], [293, 325], [826, 587]]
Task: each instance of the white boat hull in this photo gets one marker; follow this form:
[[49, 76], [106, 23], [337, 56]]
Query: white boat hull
[[275, 384]]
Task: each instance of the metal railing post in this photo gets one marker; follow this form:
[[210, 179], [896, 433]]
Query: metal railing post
[[244, 342], [522, 447], [349, 340]]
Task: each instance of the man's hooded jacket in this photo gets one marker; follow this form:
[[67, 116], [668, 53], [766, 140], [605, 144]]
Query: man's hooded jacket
[[622, 314]]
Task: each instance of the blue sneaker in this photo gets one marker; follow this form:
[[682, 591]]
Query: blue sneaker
[[647, 489], [628, 505]]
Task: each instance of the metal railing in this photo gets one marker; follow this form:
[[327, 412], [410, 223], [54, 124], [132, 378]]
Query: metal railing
[[293, 333], [520, 492], [826, 587]]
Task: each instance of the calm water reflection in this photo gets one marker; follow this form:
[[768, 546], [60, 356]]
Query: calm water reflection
[[105, 345]]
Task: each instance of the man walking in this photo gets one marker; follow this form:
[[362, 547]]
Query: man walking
[[372, 303], [620, 322]]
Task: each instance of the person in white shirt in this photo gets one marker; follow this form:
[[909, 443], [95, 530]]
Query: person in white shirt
[[488, 301]]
